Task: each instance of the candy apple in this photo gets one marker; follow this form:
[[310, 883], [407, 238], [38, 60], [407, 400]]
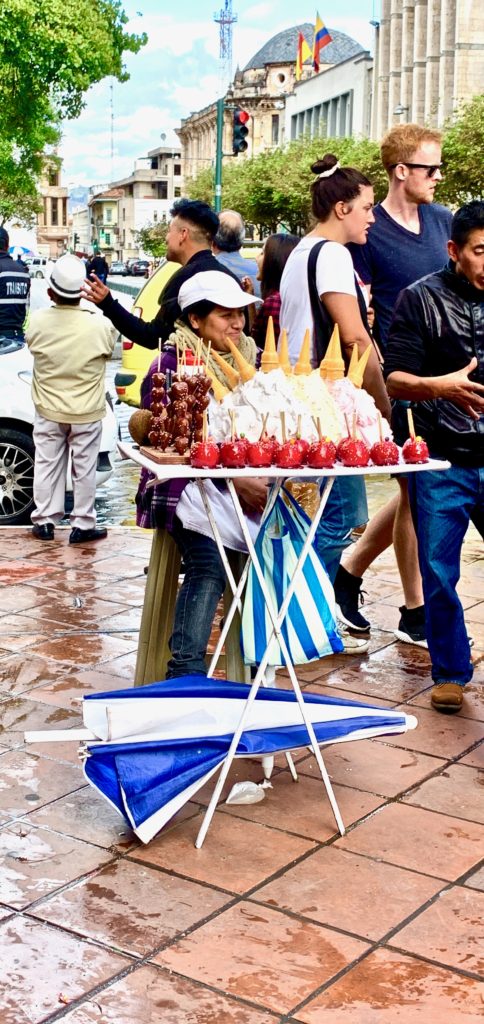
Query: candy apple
[[233, 453], [259, 453], [204, 454], [289, 455], [353, 452], [415, 450], [385, 453], [321, 454]]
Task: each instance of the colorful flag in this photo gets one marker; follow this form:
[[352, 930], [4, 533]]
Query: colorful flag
[[303, 54], [321, 38]]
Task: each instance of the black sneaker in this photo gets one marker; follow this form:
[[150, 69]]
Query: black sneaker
[[78, 536], [347, 589], [411, 628]]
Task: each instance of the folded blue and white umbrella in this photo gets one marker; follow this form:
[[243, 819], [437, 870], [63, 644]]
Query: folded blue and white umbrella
[[157, 745]]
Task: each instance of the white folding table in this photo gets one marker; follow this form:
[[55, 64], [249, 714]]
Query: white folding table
[[278, 476]]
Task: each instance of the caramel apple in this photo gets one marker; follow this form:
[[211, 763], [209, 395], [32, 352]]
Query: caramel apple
[[204, 454], [303, 446], [353, 452], [385, 453], [233, 453], [259, 453], [415, 451], [289, 455], [321, 454]]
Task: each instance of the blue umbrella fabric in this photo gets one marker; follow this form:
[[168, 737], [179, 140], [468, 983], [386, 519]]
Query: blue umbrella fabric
[[157, 745], [19, 251]]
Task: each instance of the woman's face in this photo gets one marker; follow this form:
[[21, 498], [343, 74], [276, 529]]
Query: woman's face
[[219, 327], [359, 217]]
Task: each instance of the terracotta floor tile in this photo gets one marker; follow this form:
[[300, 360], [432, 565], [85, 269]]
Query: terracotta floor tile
[[68, 581], [374, 766], [39, 963], [451, 931], [36, 862], [227, 857], [123, 666], [13, 641], [122, 565], [59, 753], [20, 714], [61, 608], [438, 734], [86, 649], [131, 908], [390, 681], [27, 782], [345, 891], [36, 624], [473, 703], [303, 808], [129, 619], [152, 996], [476, 881], [18, 598], [19, 571], [417, 839], [21, 674], [475, 757], [389, 988], [476, 612], [68, 691], [132, 590], [243, 949], [458, 791], [86, 816]]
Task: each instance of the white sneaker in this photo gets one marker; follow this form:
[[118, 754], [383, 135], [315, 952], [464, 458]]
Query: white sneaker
[[352, 644]]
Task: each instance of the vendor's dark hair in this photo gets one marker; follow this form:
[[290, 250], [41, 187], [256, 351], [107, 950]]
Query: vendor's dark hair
[[342, 185], [276, 250], [201, 309], [467, 219], [199, 215]]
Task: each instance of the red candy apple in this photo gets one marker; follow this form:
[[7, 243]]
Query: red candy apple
[[289, 455], [352, 452], [233, 453], [415, 450], [259, 453], [384, 453], [321, 454], [204, 454]]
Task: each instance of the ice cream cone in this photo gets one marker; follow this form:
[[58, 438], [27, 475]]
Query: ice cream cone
[[303, 364], [283, 350], [219, 391], [245, 369], [356, 370], [231, 375], [332, 367], [270, 359]]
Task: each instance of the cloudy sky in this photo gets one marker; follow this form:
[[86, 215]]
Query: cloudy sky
[[178, 72]]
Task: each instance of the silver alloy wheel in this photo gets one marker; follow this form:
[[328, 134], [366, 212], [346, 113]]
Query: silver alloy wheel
[[16, 477]]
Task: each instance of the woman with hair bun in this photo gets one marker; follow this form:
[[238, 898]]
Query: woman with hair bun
[[319, 289]]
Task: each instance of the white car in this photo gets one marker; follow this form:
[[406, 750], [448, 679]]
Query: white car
[[16, 444], [39, 266]]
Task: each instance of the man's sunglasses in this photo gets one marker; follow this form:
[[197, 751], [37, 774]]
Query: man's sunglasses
[[430, 168]]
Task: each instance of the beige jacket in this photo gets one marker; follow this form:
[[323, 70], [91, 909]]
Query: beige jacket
[[70, 346]]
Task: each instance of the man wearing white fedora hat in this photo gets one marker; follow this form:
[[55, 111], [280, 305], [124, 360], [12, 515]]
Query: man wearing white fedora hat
[[70, 346]]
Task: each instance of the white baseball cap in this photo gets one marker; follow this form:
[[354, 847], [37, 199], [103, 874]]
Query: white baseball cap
[[68, 276], [213, 286]]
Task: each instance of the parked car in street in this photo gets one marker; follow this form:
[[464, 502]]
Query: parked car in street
[[118, 267], [135, 360], [140, 268], [16, 445], [39, 266]]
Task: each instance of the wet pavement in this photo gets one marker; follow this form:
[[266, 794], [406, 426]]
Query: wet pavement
[[277, 918]]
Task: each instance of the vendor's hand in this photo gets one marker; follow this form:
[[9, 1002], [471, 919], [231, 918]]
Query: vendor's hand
[[94, 290], [247, 285], [252, 493], [456, 387]]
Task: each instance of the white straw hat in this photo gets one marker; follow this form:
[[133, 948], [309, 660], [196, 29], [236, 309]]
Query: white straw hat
[[213, 286], [67, 277]]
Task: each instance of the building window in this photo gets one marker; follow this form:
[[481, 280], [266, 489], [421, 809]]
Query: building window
[[109, 216], [64, 212], [162, 190], [177, 169], [107, 238], [124, 213], [275, 129], [53, 178], [155, 216], [294, 126], [154, 163], [54, 212], [177, 191]]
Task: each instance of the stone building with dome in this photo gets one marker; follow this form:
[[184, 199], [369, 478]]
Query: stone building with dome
[[262, 88]]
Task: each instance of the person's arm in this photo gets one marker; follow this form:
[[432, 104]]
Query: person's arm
[[132, 327], [252, 493], [343, 310], [454, 387]]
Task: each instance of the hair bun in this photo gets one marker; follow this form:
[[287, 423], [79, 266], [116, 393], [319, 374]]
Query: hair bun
[[328, 161]]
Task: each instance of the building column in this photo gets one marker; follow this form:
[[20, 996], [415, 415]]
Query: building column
[[433, 62], [420, 46], [408, 28], [447, 61], [394, 85], [381, 90]]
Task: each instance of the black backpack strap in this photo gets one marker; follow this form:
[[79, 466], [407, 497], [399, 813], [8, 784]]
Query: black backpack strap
[[323, 324]]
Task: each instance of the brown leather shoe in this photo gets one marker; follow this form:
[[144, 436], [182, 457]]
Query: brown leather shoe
[[447, 697]]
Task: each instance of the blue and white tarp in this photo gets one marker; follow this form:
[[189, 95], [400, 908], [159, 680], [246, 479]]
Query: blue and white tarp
[[157, 745]]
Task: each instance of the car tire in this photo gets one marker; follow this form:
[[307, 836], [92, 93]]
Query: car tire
[[16, 477]]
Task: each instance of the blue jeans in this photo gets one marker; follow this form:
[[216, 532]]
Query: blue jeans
[[442, 505], [345, 509], [196, 604]]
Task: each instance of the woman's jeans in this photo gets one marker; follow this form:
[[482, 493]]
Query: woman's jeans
[[345, 509], [442, 505], [196, 604]]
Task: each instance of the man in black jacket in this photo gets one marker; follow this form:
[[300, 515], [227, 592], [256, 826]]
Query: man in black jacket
[[192, 229], [435, 358], [14, 293]]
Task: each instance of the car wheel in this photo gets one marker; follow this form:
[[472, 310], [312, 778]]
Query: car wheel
[[16, 477], [38, 273]]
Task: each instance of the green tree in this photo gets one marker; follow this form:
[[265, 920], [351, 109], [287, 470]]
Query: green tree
[[152, 238], [51, 51], [462, 151]]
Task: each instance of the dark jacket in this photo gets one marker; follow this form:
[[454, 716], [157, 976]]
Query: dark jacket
[[437, 327], [14, 293]]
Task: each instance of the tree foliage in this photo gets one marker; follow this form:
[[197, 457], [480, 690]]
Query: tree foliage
[[152, 238], [51, 51], [462, 152]]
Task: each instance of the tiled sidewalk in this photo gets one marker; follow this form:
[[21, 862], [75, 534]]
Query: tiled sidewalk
[[277, 918]]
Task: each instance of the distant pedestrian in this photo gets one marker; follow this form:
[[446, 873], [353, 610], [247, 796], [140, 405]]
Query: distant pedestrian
[[70, 347], [98, 265], [227, 245], [14, 293], [271, 263]]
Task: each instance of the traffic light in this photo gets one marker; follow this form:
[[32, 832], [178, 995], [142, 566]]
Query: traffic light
[[76, 240], [240, 131]]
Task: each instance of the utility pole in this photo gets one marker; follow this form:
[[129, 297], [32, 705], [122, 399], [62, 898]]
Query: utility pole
[[225, 18], [217, 202]]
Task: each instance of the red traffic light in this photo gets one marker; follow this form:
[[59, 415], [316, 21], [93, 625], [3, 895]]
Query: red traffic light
[[243, 116], [240, 131]]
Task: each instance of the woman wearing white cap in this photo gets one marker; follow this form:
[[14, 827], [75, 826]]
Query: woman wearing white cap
[[212, 305]]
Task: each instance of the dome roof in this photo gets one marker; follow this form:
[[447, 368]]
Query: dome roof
[[282, 48]]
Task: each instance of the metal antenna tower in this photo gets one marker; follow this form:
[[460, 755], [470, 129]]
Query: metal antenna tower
[[225, 18]]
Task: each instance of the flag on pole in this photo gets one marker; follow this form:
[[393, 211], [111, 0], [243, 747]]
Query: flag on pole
[[321, 38], [303, 54]]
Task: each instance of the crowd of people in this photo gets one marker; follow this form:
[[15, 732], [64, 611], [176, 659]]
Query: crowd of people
[[404, 279]]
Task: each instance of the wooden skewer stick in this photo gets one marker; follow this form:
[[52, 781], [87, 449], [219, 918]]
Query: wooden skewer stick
[[283, 426], [208, 353], [411, 425], [264, 424], [348, 429], [298, 425], [353, 432], [320, 432], [380, 426], [159, 354], [205, 425], [232, 421]]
